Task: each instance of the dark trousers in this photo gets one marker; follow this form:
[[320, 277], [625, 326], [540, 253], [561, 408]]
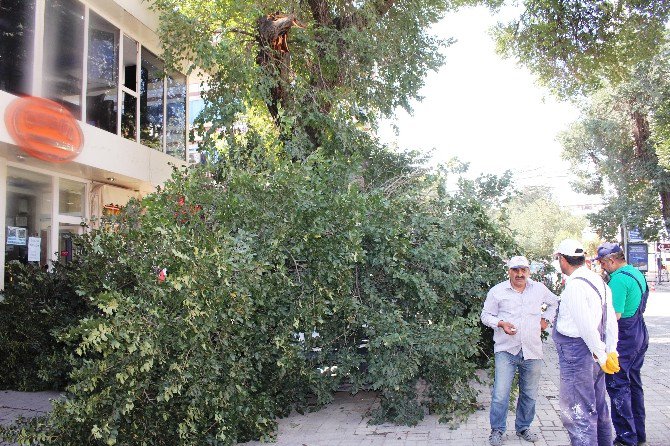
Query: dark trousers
[[625, 387]]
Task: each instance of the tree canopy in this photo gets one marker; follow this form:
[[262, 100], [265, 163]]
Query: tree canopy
[[539, 223], [576, 46], [612, 58], [302, 75], [617, 148]]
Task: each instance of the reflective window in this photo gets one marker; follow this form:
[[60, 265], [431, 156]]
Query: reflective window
[[129, 117], [28, 217], [195, 107], [175, 132], [64, 53], [17, 31], [71, 197], [129, 63], [151, 101], [102, 70]]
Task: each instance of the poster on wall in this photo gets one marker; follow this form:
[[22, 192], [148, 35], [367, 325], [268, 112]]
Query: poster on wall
[[16, 235], [34, 249]]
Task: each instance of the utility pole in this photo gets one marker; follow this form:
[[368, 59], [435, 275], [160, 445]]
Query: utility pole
[[624, 237]]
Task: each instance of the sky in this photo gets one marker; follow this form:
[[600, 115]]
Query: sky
[[488, 111]]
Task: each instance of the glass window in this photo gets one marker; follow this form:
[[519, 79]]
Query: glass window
[[17, 31], [71, 197], [129, 63], [195, 107], [128, 117], [66, 249], [151, 101], [175, 131], [28, 217], [103, 69], [64, 53]]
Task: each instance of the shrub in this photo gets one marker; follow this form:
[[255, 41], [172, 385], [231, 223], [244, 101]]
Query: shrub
[[37, 305], [281, 286]]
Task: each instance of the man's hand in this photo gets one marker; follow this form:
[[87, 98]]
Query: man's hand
[[613, 361], [544, 323], [507, 327], [611, 365]]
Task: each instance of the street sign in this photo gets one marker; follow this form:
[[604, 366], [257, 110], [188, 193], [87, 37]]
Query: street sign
[[634, 235], [663, 246], [638, 256]]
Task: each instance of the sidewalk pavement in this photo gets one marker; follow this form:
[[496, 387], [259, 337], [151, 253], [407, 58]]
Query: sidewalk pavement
[[344, 422]]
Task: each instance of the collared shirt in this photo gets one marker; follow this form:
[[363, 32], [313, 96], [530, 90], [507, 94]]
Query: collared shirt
[[581, 312], [524, 311], [626, 294]]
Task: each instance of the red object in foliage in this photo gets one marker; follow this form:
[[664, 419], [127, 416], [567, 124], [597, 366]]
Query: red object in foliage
[[181, 215], [162, 275], [44, 129]]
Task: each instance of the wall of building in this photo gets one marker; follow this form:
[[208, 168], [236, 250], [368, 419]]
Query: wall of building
[[43, 202]]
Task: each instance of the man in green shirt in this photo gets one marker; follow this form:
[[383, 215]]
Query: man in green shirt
[[629, 295]]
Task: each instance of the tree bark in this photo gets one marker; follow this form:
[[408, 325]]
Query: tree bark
[[665, 209], [641, 133], [274, 55]]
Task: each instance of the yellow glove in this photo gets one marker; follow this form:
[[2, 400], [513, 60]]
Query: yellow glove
[[613, 361], [611, 365]]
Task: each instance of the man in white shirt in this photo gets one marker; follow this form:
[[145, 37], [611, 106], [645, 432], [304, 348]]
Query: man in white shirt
[[513, 309], [586, 335]]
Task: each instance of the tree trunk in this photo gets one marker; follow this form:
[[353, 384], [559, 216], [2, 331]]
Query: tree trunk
[[641, 133], [274, 55], [665, 210]]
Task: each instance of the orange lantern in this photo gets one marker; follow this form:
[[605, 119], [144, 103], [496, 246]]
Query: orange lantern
[[44, 129]]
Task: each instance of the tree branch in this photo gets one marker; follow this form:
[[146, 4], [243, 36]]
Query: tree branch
[[321, 11]]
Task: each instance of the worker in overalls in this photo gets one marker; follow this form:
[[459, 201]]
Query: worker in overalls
[[585, 334], [629, 296]]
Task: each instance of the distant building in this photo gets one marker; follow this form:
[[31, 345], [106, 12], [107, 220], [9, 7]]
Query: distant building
[[98, 60]]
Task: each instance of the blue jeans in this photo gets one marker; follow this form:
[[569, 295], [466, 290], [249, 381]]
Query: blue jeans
[[529, 379]]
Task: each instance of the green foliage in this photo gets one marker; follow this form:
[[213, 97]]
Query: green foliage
[[612, 150], [347, 65], [281, 286], [575, 46], [37, 305], [539, 223]]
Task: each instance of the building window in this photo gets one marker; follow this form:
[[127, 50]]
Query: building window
[[102, 72], [71, 198], [28, 218], [126, 89], [17, 32], [129, 89], [151, 101], [64, 53], [175, 133]]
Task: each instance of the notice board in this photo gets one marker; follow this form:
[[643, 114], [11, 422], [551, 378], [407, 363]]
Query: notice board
[[638, 256]]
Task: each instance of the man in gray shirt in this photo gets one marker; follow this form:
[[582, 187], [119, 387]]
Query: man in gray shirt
[[514, 309]]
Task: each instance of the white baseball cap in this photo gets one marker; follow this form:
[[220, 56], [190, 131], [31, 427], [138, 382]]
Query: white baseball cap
[[518, 262], [570, 247]]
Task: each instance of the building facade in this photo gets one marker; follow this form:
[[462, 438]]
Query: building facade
[[98, 60]]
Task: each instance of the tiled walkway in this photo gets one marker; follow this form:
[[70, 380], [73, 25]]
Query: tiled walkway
[[344, 423]]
